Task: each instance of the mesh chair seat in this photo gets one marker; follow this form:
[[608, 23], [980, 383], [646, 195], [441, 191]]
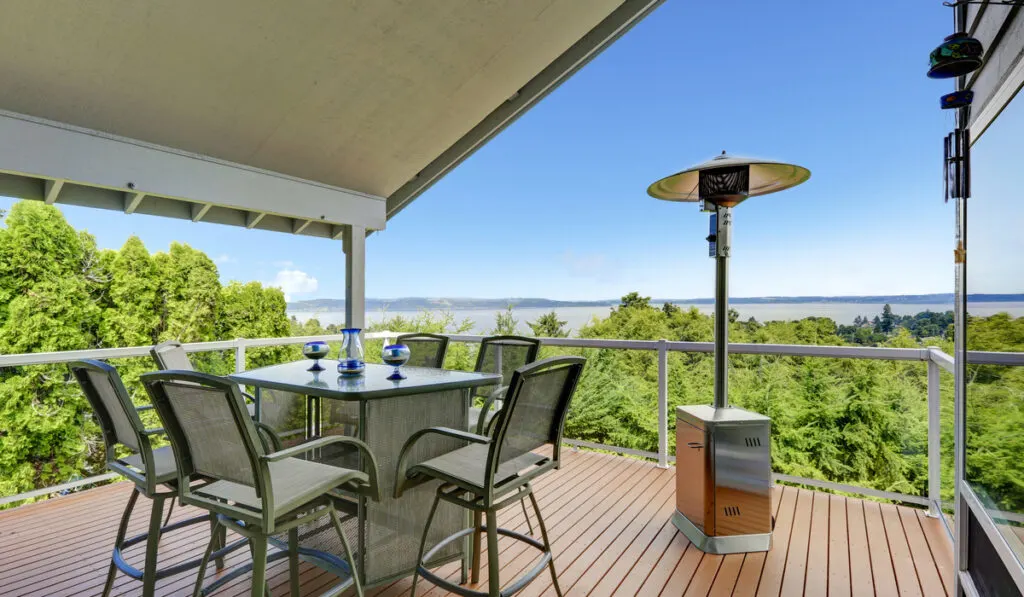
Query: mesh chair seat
[[467, 467], [165, 467], [295, 482]]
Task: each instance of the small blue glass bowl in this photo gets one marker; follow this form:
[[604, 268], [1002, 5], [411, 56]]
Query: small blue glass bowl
[[396, 355], [315, 350]]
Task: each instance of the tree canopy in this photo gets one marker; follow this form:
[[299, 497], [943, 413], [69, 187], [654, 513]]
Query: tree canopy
[[861, 422]]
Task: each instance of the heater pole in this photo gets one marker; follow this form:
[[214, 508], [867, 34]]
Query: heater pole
[[723, 240]]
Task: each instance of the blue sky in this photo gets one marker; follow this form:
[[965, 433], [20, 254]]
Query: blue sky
[[556, 205]]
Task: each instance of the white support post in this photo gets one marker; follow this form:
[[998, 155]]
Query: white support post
[[240, 367], [934, 437], [662, 404], [239, 355], [354, 245]]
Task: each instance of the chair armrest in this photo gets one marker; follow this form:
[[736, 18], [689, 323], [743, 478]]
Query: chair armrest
[[271, 442], [373, 491], [401, 481], [249, 397], [497, 394], [155, 431]]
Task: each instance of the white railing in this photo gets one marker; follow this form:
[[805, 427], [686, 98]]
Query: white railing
[[936, 360]]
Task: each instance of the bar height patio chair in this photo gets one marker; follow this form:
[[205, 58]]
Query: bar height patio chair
[[493, 472], [153, 471], [223, 467], [426, 350], [502, 355]]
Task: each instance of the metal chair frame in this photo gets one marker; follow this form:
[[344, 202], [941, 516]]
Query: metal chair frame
[[488, 499], [257, 525], [147, 483]]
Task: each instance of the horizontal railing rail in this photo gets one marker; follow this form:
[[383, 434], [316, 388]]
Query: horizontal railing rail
[[934, 357]]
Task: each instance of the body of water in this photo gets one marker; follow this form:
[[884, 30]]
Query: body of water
[[577, 317]]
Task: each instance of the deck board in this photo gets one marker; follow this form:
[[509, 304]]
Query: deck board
[[609, 521], [927, 573], [838, 548], [878, 549]]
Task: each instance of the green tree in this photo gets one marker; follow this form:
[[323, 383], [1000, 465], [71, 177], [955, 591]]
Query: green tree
[[505, 323], [252, 311], [131, 317], [887, 323], [634, 300], [189, 290], [47, 303], [59, 293], [548, 326]]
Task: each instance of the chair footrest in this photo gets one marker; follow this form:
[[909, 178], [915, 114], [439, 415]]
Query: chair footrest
[[518, 585], [137, 574]]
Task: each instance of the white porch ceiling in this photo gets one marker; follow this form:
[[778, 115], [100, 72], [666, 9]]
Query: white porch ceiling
[[359, 98]]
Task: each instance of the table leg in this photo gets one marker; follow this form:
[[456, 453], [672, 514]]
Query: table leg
[[471, 544], [309, 417]]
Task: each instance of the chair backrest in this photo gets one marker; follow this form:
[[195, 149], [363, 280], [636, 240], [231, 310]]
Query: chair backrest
[[536, 404], [115, 412], [426, 350], [171, 355], [504, 355], [209, 427]]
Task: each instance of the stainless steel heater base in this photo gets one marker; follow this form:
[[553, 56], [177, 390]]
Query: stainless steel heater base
[[721, 545], [723, 478]]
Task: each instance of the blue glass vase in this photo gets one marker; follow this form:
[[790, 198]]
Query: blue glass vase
[[351, 362]]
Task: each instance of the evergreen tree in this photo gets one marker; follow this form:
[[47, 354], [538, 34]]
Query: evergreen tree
[[548, 326], [47, 304], [505, 324], [131, 317], [188, 293], [887, 324]]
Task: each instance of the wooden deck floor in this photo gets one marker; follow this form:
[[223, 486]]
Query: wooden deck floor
[[609, 521]]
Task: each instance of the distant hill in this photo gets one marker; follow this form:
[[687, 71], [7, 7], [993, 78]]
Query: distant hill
[[462, 304]]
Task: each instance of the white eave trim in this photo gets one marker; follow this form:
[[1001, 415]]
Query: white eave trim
[[56, 162]]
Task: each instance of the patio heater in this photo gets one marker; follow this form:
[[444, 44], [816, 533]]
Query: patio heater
[[723, 457]]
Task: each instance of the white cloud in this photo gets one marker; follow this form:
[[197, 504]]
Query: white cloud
[[293, 281], [224, 258]]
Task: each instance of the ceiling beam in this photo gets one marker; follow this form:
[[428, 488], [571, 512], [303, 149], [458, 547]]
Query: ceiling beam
[[51, 189], [45, 149], [132, 201], [299, 225], [337, 232], [623, 18], [253, 218], [199, 210]]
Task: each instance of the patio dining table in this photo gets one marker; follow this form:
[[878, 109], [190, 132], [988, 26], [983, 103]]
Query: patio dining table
[[382, 413]]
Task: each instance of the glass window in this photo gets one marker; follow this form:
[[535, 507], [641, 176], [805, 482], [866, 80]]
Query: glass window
[[995, 392]]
